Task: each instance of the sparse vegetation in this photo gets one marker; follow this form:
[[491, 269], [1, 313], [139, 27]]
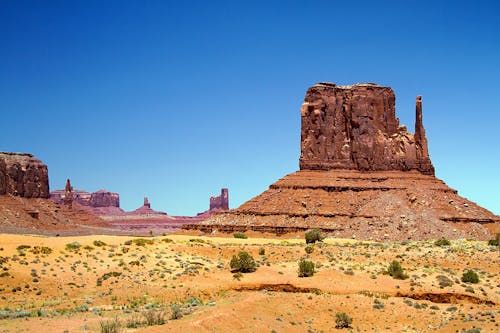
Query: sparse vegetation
[[442, 242], [396, 271], [243, 263], [111, 326], [142, 242], [154, 317], [470, 277], [176, 311], [74, 246], [262, 251], [23, 247], [41, 250], [306, 268], [493, 242], [99, 243], [313, 236], [240, 235], [342, 320], [309, 249]]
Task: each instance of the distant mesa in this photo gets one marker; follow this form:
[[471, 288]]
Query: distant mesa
[[106, 205], [362, 175], [23, 175], [101, 200]]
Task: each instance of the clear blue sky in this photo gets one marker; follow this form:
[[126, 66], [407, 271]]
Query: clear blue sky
[[176, 99]]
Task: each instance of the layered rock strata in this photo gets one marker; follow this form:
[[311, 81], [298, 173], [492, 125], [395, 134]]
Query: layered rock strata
[[23, 175], [362, 175]]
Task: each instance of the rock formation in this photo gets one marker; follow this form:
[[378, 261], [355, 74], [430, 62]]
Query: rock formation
[[103, 198], [362, 175], [23, 175], [355, 127], [68, 194], [99, 199], [220, 202]]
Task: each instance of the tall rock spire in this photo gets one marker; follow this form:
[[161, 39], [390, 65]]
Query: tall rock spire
[[422, 151]]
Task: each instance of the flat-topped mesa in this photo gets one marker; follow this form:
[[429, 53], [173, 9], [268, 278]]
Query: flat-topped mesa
[[355, 127], [23, 175]]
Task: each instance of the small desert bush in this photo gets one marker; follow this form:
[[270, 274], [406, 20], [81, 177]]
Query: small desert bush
[[313, 236], [99, 243], [111, 326], [23, 247], [306, 268], [494, 242], [262, 251], [470, 276], [75, 246], [243, 263], [396, 271], [154, 317], [342, 320], [41, 250], [176, 312], [142, 241], [442, 242], [309, 249], [240, 235]]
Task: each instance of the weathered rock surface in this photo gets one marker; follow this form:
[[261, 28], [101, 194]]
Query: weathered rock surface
[[355, 127], [362, 176], [23, 175]]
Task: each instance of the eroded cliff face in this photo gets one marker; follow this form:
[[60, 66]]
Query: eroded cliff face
[[355, 127], [23, 175]]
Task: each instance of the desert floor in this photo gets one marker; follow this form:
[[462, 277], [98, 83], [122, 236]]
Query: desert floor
[[46, 284]]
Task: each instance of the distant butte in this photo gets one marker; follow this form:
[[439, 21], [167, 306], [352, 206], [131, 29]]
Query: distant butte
[[362, 176]]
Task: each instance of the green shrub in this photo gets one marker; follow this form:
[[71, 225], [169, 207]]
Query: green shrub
[[313, 236], [470, 276], [99, 243], [23, 247], [111, 326], [142, 242], [176, 311], [442, 242], [41, 249], [342, 320], [262, 251], [75, 246], [396, 271], [493, 242], [240, 235], [309, 249], [306, 268], [243, 263]]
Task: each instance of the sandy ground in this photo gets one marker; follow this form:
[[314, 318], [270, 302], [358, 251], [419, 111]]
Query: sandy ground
[[78, 289]]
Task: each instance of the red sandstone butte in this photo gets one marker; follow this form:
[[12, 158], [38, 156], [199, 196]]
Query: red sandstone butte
[[355, 127], [23, 175], [362, 176]]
